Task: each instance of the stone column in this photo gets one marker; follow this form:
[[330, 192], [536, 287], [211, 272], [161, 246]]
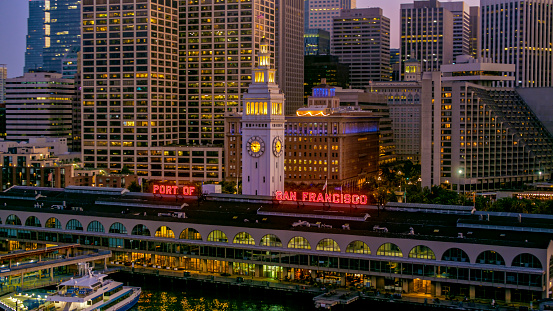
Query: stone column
[[105, 263], [438, 288], [292, 274], [22, 279], [51, 274], [472, 292], [258, 270], [373, 281], [405, 285], [342, 279], [507, 295]]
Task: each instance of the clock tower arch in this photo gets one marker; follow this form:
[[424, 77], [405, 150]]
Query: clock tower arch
[[263, 130]]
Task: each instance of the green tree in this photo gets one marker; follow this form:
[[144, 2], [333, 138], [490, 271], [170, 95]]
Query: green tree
[[134, 187]]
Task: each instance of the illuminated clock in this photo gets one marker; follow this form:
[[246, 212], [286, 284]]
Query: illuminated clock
[[256, 146], [277, 146]]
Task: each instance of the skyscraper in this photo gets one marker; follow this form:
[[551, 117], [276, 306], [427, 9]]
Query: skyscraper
[[361, 39], [289, 51], [427, 34], [3, 78], [63, 30], [461, 26], [316, 42], [319, 14], [39, 104], [217, 55], [520, 33], [130, 82], [35, 36]]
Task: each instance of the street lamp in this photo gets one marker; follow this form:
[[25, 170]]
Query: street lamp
[[461, 173]]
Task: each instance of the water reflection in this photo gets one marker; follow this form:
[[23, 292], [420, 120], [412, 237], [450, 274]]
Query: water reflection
[[221, 300]]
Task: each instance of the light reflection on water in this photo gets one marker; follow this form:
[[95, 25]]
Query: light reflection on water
[[221, 300]]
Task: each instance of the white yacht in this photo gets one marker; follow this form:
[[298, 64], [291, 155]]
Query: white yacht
[[93, 292]]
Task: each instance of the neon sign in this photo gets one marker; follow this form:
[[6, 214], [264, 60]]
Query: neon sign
[[175, 190], [322, 197]]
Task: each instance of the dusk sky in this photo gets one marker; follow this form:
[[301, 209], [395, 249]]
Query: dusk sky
[[13, 28]]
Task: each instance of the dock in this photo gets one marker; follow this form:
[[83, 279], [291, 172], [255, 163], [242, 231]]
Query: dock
[[333, 298]]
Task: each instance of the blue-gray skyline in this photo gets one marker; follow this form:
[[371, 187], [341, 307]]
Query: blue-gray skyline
[[14, 14]]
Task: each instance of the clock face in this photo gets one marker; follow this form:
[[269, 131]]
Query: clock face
[[277, 146], [256, 146]]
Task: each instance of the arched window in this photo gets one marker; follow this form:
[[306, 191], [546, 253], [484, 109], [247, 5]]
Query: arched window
[[243, 238], [141, 230], [95, 226], [455, 254], [118, 228], [53, 223], [190, 234], [299, 242], [32, 221], [217, 236], [328, 245], [271, 240], [490, 258], [74, 224], [389, 249], [13, 220], [422, 252], [165, 232], [527, 260], [358, 247]]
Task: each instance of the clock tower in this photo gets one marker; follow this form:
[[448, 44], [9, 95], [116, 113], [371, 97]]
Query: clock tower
[[263, 130]]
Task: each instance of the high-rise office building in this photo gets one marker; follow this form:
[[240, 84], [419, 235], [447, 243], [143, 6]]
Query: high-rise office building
[[34, 59], [328, 67], [3, 78], [319, 14], [62, 23], [475, 31], [520, 33], [316, 42], [395, 64], [289, 51], [427, 34], [461, 26], [217, 54], [361, 39], [477, 137], [39, 104], [130, 82]]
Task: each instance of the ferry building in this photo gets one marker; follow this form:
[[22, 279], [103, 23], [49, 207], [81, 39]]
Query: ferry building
[[437, 250]]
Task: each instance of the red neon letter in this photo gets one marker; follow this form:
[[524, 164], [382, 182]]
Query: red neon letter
[[336, 198], [320, 198], [293, 196], [312, 196], [328, 198], [156, 189], [355, 199], [278, 195], [185, 190], [363, 199], [347, 198], [304, 196], [175, 189]]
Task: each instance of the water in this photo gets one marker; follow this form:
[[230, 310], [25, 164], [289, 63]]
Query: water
[[166, 295]]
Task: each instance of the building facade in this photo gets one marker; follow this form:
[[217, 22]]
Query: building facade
[[3, 79], [361, 39], [378, 106], [319, 14], [472, 139], [63, 31], [404, 101], [427, 34], [36, 33], [39, 104], [289, 51], [316, 42], [453, 254], [461, 26], [326, 67], [520, 33]]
